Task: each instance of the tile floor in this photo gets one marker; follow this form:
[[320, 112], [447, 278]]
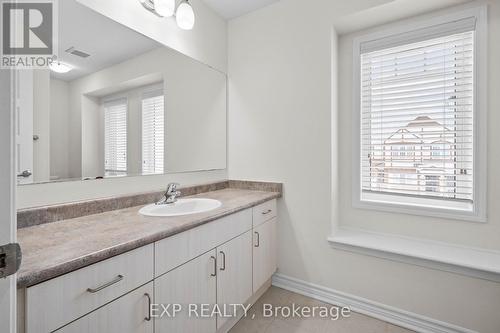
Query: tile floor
[[255, 322]]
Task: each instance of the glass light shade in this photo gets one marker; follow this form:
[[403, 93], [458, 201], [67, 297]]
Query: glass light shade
[[165, 8], [60, 67], [185, 16]]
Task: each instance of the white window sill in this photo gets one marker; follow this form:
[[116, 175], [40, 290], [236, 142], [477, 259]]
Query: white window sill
[[464, 211], [469, 261]]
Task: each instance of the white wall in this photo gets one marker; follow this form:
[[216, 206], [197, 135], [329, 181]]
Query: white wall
[[92, 152], [207, 42], [134, 131], [59, 128], [281, 109]]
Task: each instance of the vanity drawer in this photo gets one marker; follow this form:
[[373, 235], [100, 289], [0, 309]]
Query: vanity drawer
[[178, 249], [264, 212], [54, 303]]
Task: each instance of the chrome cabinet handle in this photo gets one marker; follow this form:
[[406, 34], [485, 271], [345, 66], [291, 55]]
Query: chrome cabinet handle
[[25, 174], [258, 239], [223, 268], [110, 283], [148, 317], [267, 212], [215, 266]]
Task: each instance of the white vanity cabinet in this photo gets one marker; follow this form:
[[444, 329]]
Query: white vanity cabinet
[[222, 275], [264, 253], [223, 262], [264, 243], [192, 283], [128, 314], [234, 275]]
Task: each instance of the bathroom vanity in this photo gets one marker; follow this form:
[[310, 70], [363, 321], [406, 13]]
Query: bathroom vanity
[[102, 272]]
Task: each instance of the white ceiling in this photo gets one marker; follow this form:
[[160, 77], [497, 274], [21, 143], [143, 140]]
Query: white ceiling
[[107, 41], [230, 9]]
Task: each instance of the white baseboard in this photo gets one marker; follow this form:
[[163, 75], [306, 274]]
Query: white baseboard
[[367, 307]]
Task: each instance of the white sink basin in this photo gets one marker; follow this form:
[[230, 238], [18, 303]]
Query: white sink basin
[[181, 207]]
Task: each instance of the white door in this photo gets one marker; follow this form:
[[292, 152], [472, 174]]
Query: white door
[[192, 283], [264, 253], [24, 125], [234, 279], [127, 314], [7, 200]]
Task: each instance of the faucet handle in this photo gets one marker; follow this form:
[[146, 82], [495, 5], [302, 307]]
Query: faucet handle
[[172, 187]]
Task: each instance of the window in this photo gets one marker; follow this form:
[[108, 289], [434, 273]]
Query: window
[[115, 137], [153, 130], [418, 115]]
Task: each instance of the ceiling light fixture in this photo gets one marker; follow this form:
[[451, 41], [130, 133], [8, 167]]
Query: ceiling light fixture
[[166, 8], [60, 67], [185, 15]]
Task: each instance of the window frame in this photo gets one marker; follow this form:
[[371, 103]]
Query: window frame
[[477, 211]]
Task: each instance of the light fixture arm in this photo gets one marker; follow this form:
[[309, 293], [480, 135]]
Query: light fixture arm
[[150, 6]]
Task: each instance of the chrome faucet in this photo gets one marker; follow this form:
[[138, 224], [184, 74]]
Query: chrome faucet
[[171, 195]]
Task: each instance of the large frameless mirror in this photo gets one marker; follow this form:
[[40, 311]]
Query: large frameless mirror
[[116, 103]]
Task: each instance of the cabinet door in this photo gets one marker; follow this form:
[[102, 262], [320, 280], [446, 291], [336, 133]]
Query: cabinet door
[[234, 279], [264, 253], [127, 314], [192, 283]]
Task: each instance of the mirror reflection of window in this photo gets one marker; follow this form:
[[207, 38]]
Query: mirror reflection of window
[[115, 137], [153, 132]]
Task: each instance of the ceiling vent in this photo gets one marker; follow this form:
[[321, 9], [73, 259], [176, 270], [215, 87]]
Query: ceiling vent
[[78, 53]]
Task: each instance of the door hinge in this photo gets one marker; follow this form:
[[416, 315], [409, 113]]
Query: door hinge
[[10, 259]]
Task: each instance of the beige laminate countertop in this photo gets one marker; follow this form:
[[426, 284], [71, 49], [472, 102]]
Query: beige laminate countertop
[[57, 248]]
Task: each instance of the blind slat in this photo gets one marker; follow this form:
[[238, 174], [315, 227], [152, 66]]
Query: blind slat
[[153, 129], [463, 48], [417, 121], [115, 136]]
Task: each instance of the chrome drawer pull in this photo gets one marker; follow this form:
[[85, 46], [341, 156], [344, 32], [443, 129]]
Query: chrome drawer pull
[[215, 266], [258, 239], [267, 212], [110, 283], [223, 268], [148, 317]]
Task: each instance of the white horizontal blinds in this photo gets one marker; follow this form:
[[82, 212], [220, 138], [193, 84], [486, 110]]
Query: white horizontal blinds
[[153, 132], [417, 108], [115, 136]]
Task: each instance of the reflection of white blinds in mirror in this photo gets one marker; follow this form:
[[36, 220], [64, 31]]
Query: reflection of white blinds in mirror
[[153, 132], [417, 118], [115, 136]]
